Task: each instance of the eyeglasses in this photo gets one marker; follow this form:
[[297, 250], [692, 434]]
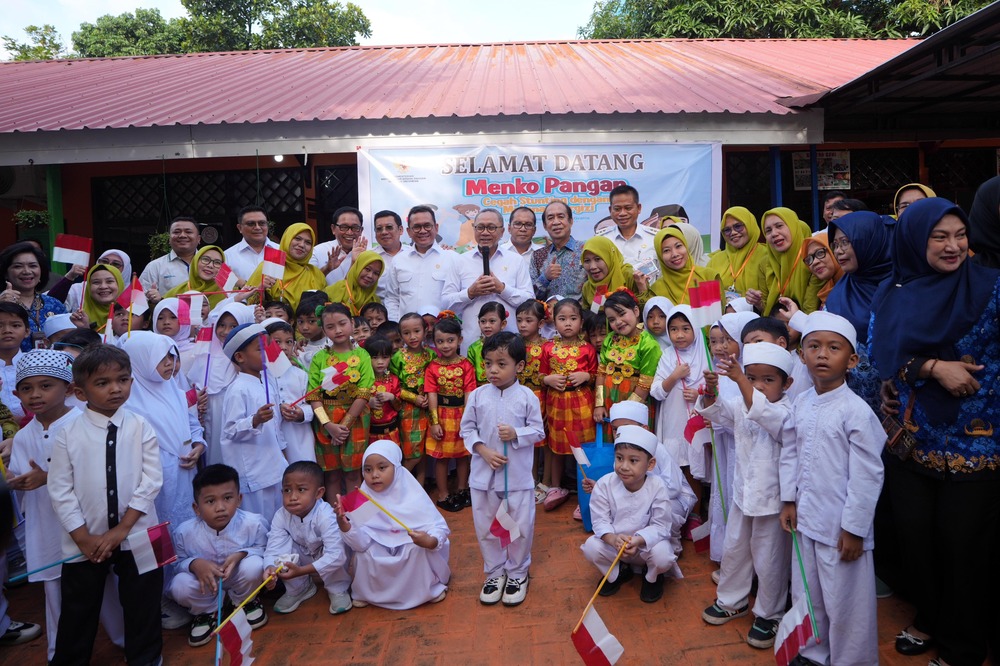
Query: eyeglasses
[[255, 223], [840, 244], [737, 229], [487, 228], [385, 230], [522, 225], [902, 205], [214, 263], [421, 227], [353, 228], [818, 255]]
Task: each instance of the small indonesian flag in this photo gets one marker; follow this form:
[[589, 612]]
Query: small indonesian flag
[[192, 397], [334, 376], [152, 548], [701, 536], [600, 296], [274, 263], [109, 328], [226, 278], [706, 303], [504, 527], [578, 452], [358, 507], [203, 343], [235, 638], [595, 643], [277, 362], [794, 633], [697, 431], [73, 250], [191, 305], [134, 297]]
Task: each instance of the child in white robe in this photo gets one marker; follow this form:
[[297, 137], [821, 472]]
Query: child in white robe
[[754, 541], [306, 538], [831, 475], [296, 422], [393, 568], [251, 441], [631, 504], [222, 541]]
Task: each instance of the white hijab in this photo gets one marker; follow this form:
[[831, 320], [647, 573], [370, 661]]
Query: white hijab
[[75, 296], [160, 401], [695, 245], [405, 498], [221, 371], [694, 355], [666, 306], [183, 337], [734, 323]]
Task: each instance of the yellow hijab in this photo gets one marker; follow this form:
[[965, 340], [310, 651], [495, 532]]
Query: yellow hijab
[[97, 313], [619, 273], [821, 238], [195, 283], [739, 268], [300, 276], [928, 192], [788, 275], [674, 284], [349, 292]]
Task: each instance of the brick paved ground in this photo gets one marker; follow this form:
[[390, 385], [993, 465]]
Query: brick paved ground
[[461, 631]]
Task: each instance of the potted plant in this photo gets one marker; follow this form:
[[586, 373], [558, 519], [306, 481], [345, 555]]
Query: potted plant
[[159, 244], [32, 225]]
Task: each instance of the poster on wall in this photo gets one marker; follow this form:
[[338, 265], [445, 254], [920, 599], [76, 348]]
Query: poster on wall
[[459, 181], [833, 168]]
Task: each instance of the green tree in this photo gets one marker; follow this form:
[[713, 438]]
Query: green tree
[[751, 19], [142, 33], [43, 43]]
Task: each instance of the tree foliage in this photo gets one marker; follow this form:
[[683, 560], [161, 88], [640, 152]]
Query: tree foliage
[[141, 33], [43, 43], [755, 19]]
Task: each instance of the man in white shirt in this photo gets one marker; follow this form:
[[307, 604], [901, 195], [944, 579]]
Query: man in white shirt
[[521, 227], [388, 235], [335, 257], [246, 256], [633, 239], [416, 276], [467, 288], [164, 273]]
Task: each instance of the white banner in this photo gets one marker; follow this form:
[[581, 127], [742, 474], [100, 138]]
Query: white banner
[[459, 181]]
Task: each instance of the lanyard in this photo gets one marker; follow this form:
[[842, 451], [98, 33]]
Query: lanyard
[[795, 267], [737, 274]]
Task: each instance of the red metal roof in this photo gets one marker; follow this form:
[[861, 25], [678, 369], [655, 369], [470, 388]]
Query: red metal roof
[[372, 82]]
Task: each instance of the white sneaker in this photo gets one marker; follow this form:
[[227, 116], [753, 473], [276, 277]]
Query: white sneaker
[[172, 615], [439, 598], [493, 590], [716, 576], [340, 603], [515, 591], [289, 602]]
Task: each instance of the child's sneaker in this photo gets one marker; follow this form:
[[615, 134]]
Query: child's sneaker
[[716, 614], [465, 495], [493, 590], [439, 598], [172, 614], [554, 498], [340, 603], [651, 592], [20, 632], [716, 576], [761, 634], [201, 630], [540, 490], [256, 617], [624, 575], [452, 503], [289, 602], [515, 591]]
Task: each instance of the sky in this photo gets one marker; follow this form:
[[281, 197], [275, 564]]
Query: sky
[[393, 21]]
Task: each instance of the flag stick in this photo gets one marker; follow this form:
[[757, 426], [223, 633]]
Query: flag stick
[[218, 620], [715, 450], [505, 471], [305, 396], [384, 510], [47, 566], [129, 318], [250, 598], [582, 472], [208, 364], [263, 358], [805, 584], [601, 584]]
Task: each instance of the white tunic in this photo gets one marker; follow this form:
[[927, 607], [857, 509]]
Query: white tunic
[[831, 465], [8, 382], [413, 279], [640, 246], [801, 379], [194, 539], [244, 260], [615, 509], [320, 255], [673, 412], [316, 536], [254, 452], [300, 442]]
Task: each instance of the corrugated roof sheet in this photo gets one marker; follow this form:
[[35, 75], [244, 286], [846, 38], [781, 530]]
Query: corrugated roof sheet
[[371, 82]]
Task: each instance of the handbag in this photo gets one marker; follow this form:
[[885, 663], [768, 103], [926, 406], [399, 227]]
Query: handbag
[[901, 440]]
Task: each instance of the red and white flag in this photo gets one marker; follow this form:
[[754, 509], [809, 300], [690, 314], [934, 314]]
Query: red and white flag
[[504, 527], [226, 278], [358, 507], [794, 633], [274, 263], [698, 431], [73, 250], [334, 376], [192, 305], [152, 548], [701, 536], [277, 362], [192, 397], [595, 643], [235, 638], [203, 343], [600, 296], [578, 452], [109, 328], [134, 296], [706, 303]]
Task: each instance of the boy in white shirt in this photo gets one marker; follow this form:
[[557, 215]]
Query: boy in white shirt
[[103, 479], [631, 505], [296, 422], [754, 538], [221, 541], [831, 475]]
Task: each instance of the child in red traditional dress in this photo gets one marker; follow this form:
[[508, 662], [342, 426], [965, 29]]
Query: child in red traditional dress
[[531, 316], [569, 364], [385, 401], [409, 364], [449, 379]]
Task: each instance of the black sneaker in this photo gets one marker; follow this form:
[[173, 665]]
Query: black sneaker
[[651, 592], [451, 503], [256, 616], [20, 632], [624, 575], [761, 634], [466, 496], [200, 633], [716, 614]]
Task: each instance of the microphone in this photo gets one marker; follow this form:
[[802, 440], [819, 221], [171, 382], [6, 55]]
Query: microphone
[[485, 251]]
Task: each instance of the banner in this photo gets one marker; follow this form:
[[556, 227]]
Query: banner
[[459, 181]]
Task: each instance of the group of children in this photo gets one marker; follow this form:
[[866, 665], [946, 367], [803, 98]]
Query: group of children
[[365, 401]]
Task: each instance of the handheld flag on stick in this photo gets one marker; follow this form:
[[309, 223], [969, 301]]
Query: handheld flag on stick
[[192, 305], [134, 297], [249, 598], [706, 303], [263, 356], [581, 456], [109, 329], [192, 397], [798, 626], [334, 376], [277, 362], [697, 431], [274, 263], [701, 536], [504, 527], [235, 638], [203, 343], [72, 250], [596, 644], [226, 278], [152, 548], [600, 295], [358, 508]]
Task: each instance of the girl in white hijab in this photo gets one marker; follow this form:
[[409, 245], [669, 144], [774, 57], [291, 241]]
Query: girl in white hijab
[[396, 569], [663, 304], [181, 336]]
